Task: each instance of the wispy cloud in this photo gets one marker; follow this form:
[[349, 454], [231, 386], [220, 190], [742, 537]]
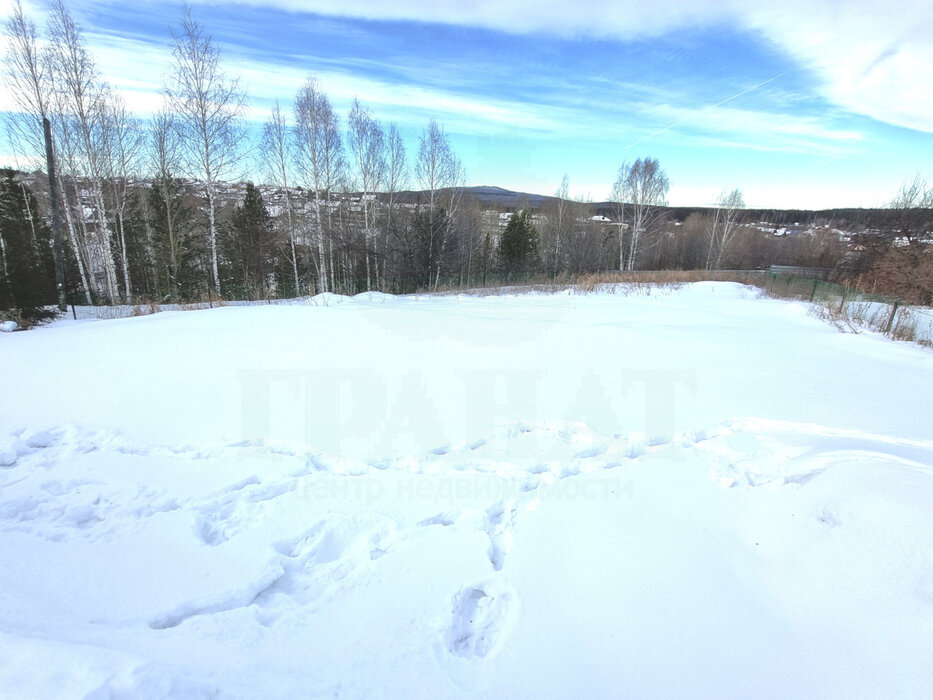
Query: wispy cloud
[[128, 64], [868, 57], [726, 95], [754, 129]]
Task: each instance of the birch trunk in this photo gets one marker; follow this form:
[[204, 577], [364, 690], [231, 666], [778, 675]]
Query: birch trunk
[[212, 237], [76, 245]]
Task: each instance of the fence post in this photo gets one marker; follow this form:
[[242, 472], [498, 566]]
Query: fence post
[[816, 283], [843, 302], [887, 331]]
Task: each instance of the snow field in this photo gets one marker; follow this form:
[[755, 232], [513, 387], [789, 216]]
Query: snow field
[[700, 494]]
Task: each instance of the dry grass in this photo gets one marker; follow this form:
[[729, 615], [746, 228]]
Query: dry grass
[[831, 314], [843, 308], [623, 283], [906, 327], [901, 323], [146, 309]]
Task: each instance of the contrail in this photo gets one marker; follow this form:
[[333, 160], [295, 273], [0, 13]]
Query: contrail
[[718, 104]]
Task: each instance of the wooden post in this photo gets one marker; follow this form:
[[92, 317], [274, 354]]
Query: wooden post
[[55, 205], [887, 330]]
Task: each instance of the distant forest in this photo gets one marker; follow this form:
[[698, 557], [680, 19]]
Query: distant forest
[[154, 211]]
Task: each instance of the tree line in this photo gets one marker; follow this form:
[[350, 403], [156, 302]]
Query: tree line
[[149, 211], [134, 225]]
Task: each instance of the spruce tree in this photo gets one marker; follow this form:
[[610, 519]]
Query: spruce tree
[[27, 277], [249, 248], [518, 246], [180, 259]]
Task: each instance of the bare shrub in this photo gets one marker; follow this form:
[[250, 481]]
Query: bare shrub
[[904, 273], [832, 314]]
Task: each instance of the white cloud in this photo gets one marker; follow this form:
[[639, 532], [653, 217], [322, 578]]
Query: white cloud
[[136, 69], [792, 194], [766, 131], [872, 58], [868, 61]]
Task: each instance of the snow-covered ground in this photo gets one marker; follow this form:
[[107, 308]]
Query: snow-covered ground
[[692, 493]]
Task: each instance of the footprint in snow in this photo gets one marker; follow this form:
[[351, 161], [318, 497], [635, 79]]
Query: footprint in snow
[[530, 484], [482, 616], [41, 439], [16, 446], [636, 450], [324, 560], [594, 451], [829, 517], [445, 519], [8, 455], [658, 440], [498, 527]]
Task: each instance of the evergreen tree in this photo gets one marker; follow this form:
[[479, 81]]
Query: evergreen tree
[[178, 256], [137, 234], [27, 277], [249, 248], [518, 247], [423, 246]]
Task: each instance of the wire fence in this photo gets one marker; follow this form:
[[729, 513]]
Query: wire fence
[[852, 309], [844, 306]]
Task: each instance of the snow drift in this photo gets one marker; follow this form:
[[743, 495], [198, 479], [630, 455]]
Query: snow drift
[[698, 493]]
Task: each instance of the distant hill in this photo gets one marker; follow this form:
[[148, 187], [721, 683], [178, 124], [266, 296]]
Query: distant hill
[[499, 198], [492, 197], [488, 196]]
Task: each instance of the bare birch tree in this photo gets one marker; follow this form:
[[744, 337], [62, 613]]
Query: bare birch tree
[[438, 169], [561, 223], [396, 180], [208, 107], [367, 146], [72, 207], [643, 185], [165, 162], [125, 139], [277, 152], [29, 69], [396, 163], [617, 197], [320, 161], [724, 226], [909, 218], [84, 98], [27, 79]]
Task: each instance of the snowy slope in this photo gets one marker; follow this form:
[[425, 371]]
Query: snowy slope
[[693, 493]]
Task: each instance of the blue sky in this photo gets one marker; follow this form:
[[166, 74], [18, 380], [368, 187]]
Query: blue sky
[[810, 104]]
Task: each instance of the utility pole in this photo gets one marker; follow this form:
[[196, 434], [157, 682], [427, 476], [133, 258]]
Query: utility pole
[[55, 200]]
